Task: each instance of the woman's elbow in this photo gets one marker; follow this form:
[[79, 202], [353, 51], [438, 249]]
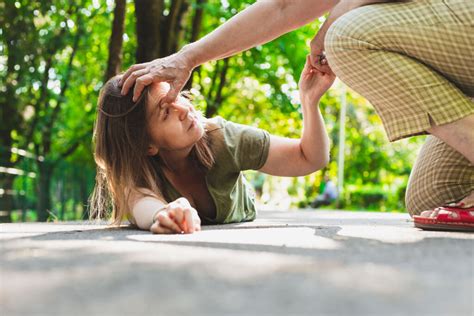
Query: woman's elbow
[[321, 162], [317, 164]]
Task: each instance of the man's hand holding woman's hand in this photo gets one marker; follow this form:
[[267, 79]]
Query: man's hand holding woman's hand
[[317, 56], [178, 217]]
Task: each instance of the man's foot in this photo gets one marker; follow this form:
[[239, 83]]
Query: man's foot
[[455, 216], [467, 202]]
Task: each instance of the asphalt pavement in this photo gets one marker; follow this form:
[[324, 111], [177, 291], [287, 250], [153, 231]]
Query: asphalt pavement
[[284, 263]]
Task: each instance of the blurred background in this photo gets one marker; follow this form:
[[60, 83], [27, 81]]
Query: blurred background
[[56, 55]]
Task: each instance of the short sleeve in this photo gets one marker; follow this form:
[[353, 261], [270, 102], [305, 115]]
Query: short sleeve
[[248, 145]]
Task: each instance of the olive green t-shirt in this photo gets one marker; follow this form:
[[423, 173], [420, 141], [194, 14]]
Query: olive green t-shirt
[[236, 148]]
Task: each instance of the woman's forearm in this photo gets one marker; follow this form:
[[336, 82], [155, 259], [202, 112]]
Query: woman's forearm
[[314, 138], [259, 23]]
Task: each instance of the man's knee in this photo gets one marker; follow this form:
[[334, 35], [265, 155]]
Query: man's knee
[[354, 27], [348, 40]]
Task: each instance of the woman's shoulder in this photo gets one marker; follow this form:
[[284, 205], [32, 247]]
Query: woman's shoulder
[[215, 133], [230, 133], [222, 132], [215, 124]]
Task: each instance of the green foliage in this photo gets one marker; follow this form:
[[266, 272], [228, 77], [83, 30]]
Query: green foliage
[[260, 89]]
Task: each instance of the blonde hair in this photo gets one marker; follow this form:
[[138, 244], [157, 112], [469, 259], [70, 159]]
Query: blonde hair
[[123, 167]]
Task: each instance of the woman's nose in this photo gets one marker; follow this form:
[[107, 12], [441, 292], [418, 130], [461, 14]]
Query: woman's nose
[[182, 110]]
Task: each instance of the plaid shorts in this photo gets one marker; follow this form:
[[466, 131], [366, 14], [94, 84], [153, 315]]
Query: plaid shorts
[[414, 61], [441, 175]]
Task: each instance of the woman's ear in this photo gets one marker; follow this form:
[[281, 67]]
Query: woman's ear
[[152, 150]]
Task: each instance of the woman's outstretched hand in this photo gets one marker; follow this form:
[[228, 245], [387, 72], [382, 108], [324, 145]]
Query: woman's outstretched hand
[[314, 83], [174, 69], [178, 217]]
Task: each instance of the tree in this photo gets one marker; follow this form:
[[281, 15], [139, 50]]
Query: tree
[[159, 27], [116, 40], [43, 45]]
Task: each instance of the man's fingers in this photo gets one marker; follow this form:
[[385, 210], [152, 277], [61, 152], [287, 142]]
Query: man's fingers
[[132, 79], [127, 74], [140, 84], [173, 93], [126, 82]]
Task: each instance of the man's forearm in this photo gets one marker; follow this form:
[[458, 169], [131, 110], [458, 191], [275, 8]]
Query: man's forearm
[[258, 24]]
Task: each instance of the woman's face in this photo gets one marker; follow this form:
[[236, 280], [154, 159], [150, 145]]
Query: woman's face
[[171, 126]]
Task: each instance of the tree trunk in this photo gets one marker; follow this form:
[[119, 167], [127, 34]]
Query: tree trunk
[[6, 199], [195, 31], [174, 27], [171, 28], [222, 82], [214, 102], [116, 40], [148, 15], [9, 113]]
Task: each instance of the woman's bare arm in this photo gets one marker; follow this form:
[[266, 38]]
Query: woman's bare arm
[[151, 213], [298, 157]]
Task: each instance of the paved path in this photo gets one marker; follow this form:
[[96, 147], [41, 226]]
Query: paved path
[[284, 263]]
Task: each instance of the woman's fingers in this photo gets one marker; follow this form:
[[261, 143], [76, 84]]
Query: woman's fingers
[[178, 217], [157, 229], [313, 60], [165, 221], [188, 217], [307, 65]]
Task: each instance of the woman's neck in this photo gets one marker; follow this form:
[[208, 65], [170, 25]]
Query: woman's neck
[[177, 162]]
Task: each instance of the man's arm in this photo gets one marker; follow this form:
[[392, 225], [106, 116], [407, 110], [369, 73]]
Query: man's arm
[[257, 24]]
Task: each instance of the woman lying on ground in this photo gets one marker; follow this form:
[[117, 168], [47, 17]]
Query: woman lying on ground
[[166, 168]]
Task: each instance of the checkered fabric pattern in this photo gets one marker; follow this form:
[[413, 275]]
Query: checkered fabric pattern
[[441, 175], [412, 61]]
